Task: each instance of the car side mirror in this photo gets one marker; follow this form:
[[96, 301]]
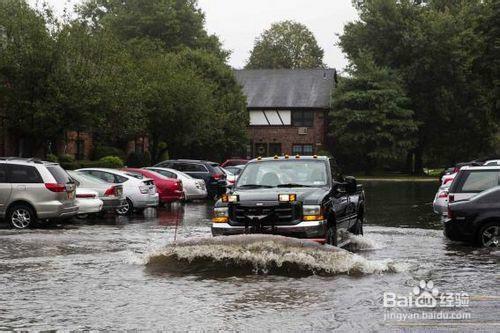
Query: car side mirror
[[351, 185]]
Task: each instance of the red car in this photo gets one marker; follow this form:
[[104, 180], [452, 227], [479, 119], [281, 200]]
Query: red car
[[233, 162], [169, 189]]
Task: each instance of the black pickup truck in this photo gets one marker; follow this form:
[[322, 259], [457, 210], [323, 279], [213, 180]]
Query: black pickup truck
[[299, 196]]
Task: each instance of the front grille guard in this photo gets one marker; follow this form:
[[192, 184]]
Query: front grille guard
[[265, 222]]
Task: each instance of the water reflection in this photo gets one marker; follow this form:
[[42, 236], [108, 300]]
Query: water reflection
[[401, 204]]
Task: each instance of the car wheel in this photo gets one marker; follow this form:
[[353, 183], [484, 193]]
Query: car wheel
[[357, 229], [21, 217], [126, 209], [489, 235], [331, 237]]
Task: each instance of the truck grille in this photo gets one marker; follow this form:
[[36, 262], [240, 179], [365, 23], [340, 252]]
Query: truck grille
[[279, 214]]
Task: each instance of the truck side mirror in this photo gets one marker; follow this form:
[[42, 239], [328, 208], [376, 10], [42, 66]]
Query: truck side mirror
[[351, 184]]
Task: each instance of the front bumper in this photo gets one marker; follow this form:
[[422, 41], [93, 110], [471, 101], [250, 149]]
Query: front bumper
[[305, 229]]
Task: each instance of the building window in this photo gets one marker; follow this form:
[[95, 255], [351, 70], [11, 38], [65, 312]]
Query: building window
[[274, 149], [302, 149], [270, 118], [302, 118], [261, 149]]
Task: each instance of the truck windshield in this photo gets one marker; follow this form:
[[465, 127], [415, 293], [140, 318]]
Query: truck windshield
[[284, 173]]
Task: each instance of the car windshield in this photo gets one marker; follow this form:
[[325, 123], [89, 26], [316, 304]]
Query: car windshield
[[284, 173]]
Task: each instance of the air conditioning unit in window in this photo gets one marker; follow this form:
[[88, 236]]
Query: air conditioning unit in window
[[302, 130]]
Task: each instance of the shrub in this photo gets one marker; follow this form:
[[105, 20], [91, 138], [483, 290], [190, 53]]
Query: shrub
[[65, 158], [104, 151], [113, 162], [51, 158]]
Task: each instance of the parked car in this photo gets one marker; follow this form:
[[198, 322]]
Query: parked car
[[210, 172], [477, 219], [88, 202], [139, 193], [235, 169], [32, 191], [111, 195], [193, 188], [492, 163], [440, 203], [234, 161], [302, 197], [471, 181], [169, 189], [230, 177]]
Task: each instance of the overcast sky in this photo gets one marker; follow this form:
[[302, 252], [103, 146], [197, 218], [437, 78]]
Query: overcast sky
[[239, 22]]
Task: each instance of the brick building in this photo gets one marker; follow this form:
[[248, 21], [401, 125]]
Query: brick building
[[288, 109]]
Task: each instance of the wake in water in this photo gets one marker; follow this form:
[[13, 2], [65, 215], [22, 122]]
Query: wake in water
[[261, 254]]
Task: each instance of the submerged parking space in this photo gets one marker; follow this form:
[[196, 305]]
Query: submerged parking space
[[115, 273]]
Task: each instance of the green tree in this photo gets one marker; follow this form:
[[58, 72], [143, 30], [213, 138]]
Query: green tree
[[286, 44], [26, 61], [435, 47], [370, 119], [172, 24]]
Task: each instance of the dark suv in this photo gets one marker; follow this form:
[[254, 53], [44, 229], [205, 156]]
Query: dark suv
[[210, 172], [474, 206]]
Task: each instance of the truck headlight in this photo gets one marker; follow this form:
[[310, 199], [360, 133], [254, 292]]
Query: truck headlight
[[287, 197], [312, 213], [221, 215], [230, 198]]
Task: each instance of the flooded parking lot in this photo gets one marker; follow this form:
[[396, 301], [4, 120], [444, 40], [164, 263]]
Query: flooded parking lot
[[121, 273]]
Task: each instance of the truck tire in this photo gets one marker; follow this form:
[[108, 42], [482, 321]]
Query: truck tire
[[357, 229], [21, 216], [331, 235]]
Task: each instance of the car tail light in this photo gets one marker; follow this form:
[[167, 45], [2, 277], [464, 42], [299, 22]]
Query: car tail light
[[443, 194], [144, 189], [53, 187], [451, 198], [85, 196], [217, 176], [231, 181], [447, 180], [110, 192], [450, 213], [179, 184]]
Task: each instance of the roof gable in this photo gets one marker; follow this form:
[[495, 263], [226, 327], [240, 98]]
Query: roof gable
[[287, 88]]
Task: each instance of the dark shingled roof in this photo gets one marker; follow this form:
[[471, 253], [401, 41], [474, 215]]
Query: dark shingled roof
[[287, 88]]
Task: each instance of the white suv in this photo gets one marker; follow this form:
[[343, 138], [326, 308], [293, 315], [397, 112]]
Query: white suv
[[32, 190], [140, 193]]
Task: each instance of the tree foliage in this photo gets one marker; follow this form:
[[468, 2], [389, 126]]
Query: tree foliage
[[286, 44], [439, 50], [370, 120], [120, 70]]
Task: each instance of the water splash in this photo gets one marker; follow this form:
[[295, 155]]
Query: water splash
[[261, 254]]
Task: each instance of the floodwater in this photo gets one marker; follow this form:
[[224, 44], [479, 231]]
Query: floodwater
[[125, 273]]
